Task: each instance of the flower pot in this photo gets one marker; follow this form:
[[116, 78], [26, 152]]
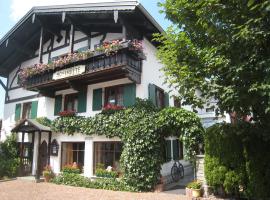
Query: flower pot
[[188, 192], [159, 187], [196, 193], [47, 179]]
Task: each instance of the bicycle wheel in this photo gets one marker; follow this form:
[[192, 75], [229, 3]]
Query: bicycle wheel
[[175, 173], [181, 169]]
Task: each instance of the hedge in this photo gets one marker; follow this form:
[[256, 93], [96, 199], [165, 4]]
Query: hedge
[[237, 159]]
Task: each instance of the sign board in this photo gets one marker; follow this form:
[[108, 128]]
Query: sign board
[[72, 71]]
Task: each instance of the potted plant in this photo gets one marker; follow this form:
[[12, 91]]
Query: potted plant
[[193, 189], [160, 185], [47, 173]]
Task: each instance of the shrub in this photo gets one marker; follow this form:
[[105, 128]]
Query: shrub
[[195, 185], [80, 181], [47, 171], [237, 158], [9, 160], [106, 174], [44, 121], [71, 169]]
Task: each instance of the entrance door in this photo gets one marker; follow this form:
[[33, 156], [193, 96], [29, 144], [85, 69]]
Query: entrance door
[[43, 156], [27, 157]]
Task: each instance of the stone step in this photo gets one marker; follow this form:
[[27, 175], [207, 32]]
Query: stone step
[[31, 179]]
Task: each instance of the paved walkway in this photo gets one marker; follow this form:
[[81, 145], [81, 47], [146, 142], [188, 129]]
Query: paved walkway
[[26, 190]]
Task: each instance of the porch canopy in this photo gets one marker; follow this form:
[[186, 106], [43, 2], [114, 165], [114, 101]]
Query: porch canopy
[[33, 127], [29, 126]]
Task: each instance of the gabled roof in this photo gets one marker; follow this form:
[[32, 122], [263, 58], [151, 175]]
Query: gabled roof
[[18, 44], [30, 125]]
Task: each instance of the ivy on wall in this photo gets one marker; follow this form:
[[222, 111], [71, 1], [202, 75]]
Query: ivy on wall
[[142, 129]]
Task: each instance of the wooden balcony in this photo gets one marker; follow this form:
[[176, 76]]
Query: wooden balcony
[[98, 68]]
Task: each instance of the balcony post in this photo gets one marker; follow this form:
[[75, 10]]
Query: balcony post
[[71, 38], [40, 52]]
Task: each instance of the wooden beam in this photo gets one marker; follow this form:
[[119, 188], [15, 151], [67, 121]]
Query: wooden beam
[[78, 26], [49, 147], [71, 38], [75, 85], [32, 146], [46, 93], [38, 158], [21, 155], [40, 52], [51, 30], [3, 85]]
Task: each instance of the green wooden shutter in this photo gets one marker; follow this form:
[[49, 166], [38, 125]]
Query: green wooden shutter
[[97, 99], [152, 93], [34, 108], [166, 99], [129, 95], [18, 112], [168, 150], [175, 149], [82, 99], [57, 104]]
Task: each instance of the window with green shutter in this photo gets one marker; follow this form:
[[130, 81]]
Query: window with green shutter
[[175, 144], [97, 99], [34, 108], [57, 104], [18, 108], [168, 149], [166, 99], [129, 94], [82, 99], [152, 93]]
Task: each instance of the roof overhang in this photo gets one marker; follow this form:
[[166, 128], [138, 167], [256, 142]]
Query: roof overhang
[[23, 39]]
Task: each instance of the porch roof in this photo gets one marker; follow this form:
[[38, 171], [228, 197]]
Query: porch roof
[[30, 125]]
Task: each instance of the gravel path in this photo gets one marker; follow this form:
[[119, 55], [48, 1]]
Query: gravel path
[[26, 190]]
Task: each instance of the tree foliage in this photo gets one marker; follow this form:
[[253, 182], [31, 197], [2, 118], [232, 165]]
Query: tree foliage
[[237, 159], [222, 49], [9, 160]]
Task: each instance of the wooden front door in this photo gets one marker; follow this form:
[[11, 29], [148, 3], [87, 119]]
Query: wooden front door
[[26, 159], [43, 156]]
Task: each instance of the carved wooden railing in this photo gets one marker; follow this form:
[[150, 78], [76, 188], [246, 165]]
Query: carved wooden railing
[[125, 58]]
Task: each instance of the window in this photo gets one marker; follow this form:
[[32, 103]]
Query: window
[[210, 109], [71, 102], [177, 102], [107, 153], [26, 112], [173, 149], [160, 98], [72, 152], [114, 95]]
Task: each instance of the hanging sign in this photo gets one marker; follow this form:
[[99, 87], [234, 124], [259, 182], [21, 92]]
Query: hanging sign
[[72, 71]]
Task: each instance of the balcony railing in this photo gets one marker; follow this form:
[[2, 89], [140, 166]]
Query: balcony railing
[[125, 62]]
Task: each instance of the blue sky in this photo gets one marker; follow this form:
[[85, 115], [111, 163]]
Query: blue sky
[[12, 10]]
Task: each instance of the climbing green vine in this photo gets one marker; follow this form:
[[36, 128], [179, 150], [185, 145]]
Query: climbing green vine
[[142, 129]]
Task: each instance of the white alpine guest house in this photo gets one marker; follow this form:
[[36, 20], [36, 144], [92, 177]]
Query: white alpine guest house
[[82, 58]]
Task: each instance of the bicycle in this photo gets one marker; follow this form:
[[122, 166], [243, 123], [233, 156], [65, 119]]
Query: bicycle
[[177, 171]]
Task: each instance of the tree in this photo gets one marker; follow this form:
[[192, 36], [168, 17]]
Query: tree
[[222, 49]]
